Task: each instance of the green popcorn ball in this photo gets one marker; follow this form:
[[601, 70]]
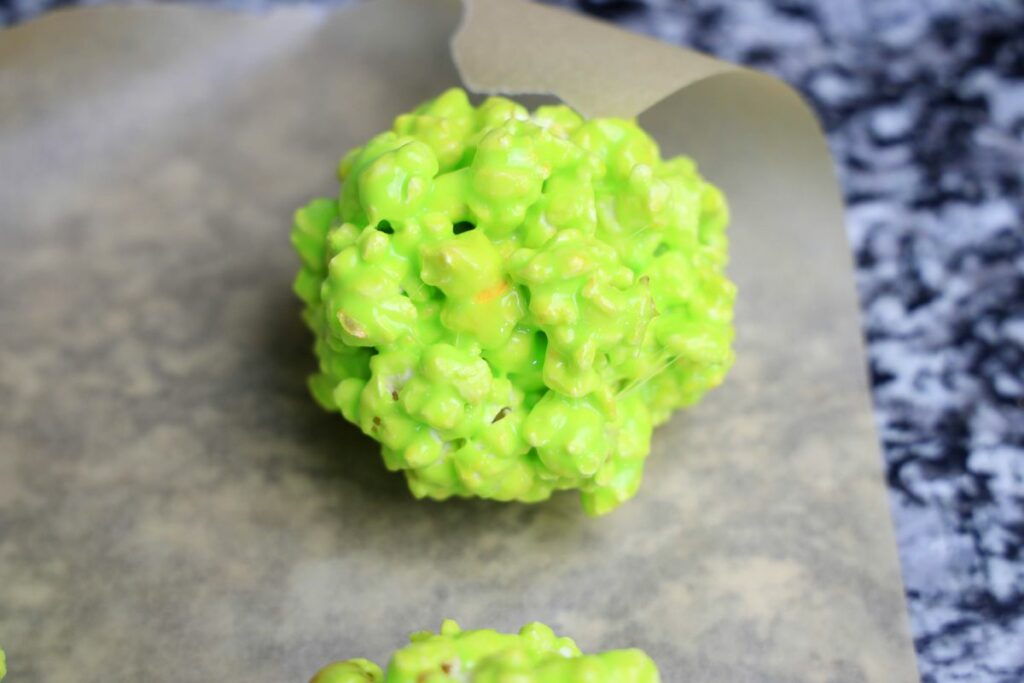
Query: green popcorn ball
[[534, 655], [510, 302]]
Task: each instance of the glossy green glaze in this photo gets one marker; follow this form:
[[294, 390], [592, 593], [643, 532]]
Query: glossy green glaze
[[510, 302], [535, 655]]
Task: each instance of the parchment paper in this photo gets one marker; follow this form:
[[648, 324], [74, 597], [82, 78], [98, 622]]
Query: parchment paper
[[174, 507]]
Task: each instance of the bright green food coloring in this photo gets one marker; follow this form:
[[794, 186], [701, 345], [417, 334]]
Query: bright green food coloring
[[510, 302], [534, 655]]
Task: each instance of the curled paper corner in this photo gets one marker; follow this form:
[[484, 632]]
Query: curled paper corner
[[519, 47], [516, 47]]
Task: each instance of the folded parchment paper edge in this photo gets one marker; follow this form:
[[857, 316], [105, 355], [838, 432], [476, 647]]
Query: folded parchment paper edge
[[514, 47]]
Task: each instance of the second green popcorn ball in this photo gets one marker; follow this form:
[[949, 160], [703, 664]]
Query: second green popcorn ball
[[534, 655], [510, 302]]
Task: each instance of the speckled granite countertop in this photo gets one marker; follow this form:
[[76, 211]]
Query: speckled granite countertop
[[924, 106]]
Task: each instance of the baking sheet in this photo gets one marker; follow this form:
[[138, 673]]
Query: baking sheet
[[173, 506]]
